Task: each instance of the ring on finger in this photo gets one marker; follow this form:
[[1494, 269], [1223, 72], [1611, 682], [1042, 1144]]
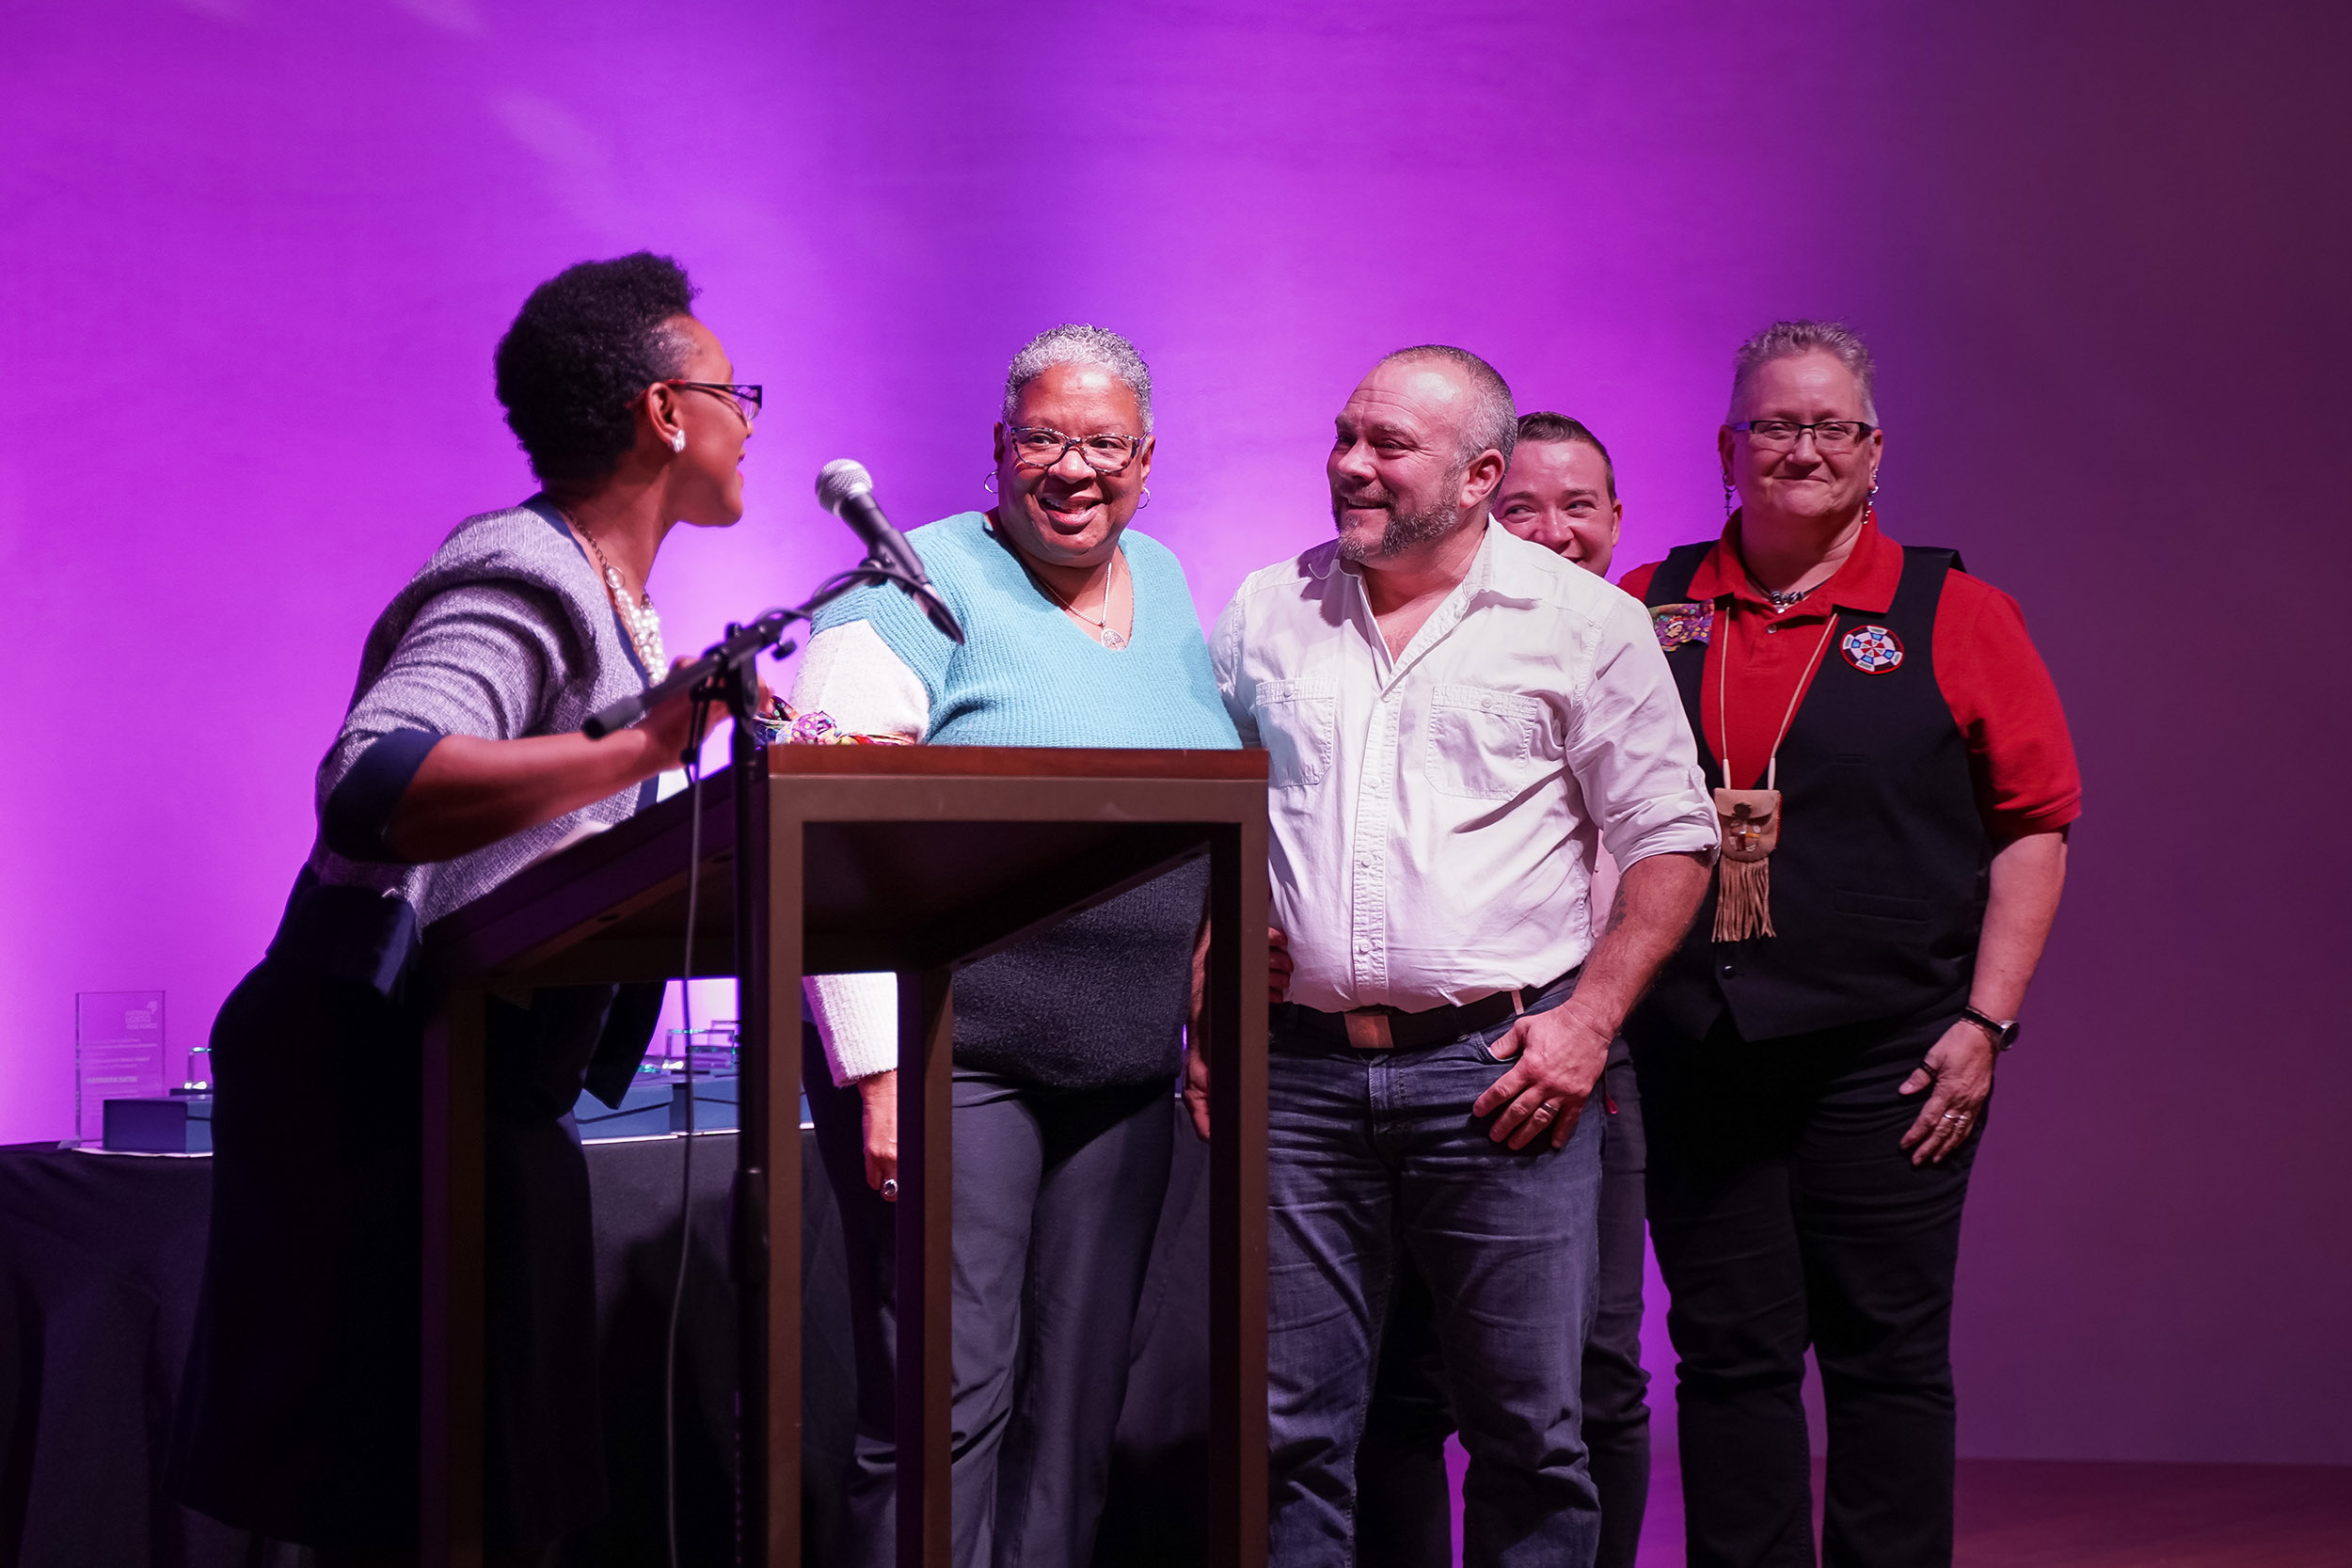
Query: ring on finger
[[890, 1187], [1544, 1112]]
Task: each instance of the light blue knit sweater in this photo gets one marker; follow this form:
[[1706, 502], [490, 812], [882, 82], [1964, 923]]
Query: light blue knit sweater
[[1097, 1002], [1025, 675]]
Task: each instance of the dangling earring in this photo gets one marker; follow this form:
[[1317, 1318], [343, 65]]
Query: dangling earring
[[1146, 501], [1727, 495], [988, 481], [678, 440]]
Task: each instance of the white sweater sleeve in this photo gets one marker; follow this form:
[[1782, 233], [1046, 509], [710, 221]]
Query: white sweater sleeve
[[849, 674]]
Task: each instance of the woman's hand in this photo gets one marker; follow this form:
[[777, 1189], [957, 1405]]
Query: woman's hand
[[878, 1094], [1277, 985], [667, 727], [1960, 1069]]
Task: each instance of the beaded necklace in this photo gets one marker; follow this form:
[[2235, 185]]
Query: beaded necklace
[[644, 624]]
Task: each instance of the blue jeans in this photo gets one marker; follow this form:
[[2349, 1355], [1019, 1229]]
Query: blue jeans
[[1373, 1159]]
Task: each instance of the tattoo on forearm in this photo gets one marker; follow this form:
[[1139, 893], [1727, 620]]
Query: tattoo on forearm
[[1617, 911]]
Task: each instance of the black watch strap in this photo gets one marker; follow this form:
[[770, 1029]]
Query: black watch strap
[[2004, 1035]]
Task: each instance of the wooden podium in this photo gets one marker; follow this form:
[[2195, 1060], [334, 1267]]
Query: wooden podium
[[916, 860]]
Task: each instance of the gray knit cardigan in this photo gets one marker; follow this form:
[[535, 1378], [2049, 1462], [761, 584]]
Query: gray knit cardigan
[[505, 632]]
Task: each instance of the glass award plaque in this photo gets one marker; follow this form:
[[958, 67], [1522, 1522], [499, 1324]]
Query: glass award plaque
[[118, 1053]]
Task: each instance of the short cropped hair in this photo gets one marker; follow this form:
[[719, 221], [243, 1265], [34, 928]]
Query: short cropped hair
[[1544, 425], [1785, 340], [1494, 420], [583, 350], [1077, 343]]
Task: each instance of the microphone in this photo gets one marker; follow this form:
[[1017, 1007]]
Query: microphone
[[845, 489]]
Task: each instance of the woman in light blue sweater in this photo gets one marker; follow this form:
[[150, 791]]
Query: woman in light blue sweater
[[1080, 632]]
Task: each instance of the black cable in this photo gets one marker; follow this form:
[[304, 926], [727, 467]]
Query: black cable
[[692, 761]]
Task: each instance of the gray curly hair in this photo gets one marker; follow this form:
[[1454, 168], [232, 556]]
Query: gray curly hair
[[1784, 339], [1077, 343]]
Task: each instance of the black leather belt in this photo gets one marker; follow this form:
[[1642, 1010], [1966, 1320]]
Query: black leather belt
[[1388, 1029]]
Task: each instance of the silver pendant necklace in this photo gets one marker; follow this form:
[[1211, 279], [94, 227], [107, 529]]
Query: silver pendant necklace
[[1103, 632]]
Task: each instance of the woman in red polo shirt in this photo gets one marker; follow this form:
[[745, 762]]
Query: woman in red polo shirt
[[1895, 781]]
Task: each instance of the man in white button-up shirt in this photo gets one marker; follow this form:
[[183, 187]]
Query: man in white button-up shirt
[[1455, 718]]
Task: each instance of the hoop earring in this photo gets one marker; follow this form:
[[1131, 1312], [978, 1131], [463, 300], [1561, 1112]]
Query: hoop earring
[[988, 481], [1146, 501]]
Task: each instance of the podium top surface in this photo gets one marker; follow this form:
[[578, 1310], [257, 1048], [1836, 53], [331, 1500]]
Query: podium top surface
[[906, 854], [998, 762]]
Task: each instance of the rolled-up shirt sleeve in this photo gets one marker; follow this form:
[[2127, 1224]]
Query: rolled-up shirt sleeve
[[1630, 749]]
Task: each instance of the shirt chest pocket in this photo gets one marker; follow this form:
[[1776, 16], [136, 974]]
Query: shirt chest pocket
[[1481, 745], [1295, 722]]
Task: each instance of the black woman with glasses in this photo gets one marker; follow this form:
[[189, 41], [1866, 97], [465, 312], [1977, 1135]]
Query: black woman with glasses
[[1816, 1064], [458, 763], [1081, 632]]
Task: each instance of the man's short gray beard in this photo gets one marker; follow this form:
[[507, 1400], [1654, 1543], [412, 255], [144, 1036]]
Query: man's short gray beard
[[1405, 531]]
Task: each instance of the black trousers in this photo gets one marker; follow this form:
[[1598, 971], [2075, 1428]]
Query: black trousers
[[298, 1414], [1786, 1215], [1402, 1506], [1058, 1196]]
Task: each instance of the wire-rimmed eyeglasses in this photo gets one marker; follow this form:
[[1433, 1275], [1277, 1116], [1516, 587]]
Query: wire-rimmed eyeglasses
[[1037, 446], [744, 395]]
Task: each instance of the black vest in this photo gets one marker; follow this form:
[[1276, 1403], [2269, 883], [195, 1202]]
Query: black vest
[[1878, 885]]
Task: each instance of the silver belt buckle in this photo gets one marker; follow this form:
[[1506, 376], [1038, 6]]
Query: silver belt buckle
[[1369, 1030]]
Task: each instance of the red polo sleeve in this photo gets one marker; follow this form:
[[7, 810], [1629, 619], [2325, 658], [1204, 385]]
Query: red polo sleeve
[[2006, 706]]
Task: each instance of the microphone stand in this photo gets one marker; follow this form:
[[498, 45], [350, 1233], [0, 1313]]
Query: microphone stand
[[727, 673]]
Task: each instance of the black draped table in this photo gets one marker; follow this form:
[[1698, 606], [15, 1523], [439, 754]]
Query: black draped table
[[101, 1256]]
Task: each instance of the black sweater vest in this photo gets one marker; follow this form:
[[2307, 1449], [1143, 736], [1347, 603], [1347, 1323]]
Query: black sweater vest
[[1878, 885]]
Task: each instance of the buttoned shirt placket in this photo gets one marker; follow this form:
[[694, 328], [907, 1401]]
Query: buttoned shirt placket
[[1372, 826]]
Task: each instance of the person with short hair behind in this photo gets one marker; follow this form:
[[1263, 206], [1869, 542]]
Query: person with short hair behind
[[1081, 633], [1816, 1063], [1560, 492], [458, 763], [1455, 718]]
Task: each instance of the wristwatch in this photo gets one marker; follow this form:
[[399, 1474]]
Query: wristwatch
[[2004, 1035]]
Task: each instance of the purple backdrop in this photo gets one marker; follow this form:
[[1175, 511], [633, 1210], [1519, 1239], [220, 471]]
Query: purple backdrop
[[254, 255]]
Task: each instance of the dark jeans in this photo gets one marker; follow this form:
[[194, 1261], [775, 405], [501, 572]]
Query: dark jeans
[[1057, 1195], [1403, 1515], [1374, 1162], [1785, 1213]]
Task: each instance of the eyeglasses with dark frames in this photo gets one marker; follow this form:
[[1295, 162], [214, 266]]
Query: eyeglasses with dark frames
[[744, 395], [1041, 447], [1828, 435]]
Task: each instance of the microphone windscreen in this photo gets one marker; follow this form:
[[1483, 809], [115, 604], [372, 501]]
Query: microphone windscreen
[[841, 480]]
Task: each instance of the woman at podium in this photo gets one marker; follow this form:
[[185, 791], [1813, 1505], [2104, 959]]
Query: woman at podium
[[1081, 632], [458, 763]]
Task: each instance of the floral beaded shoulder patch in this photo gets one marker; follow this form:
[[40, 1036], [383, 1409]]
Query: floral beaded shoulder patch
[[1677, 624], [789, 726]]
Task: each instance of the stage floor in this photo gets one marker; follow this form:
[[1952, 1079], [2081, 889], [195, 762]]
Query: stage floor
[[2055, 1513], [2046, 1513]]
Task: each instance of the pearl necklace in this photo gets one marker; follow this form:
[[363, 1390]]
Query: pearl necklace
[[638, 615]]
